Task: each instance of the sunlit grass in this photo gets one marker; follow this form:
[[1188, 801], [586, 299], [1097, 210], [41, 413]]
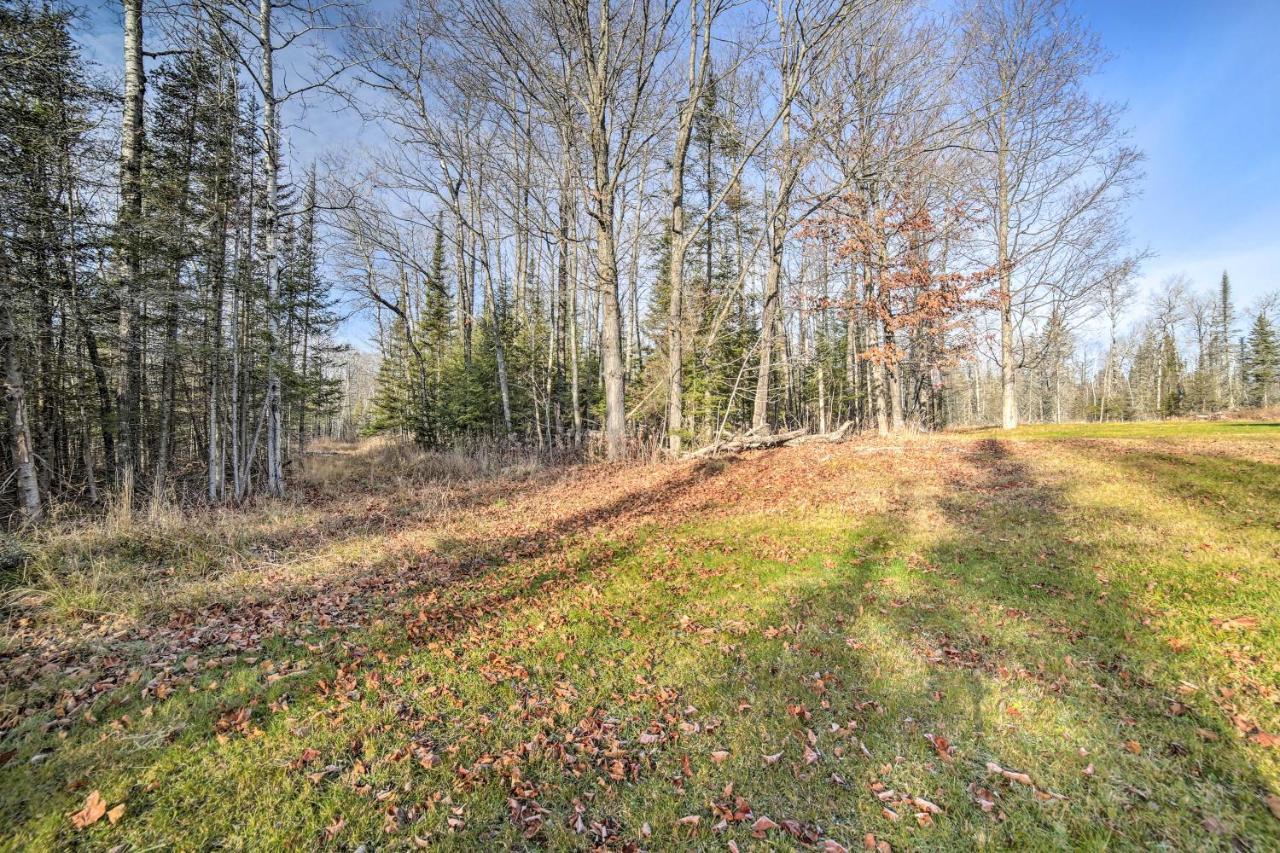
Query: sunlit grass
[[1103, 621], [1267, 430]]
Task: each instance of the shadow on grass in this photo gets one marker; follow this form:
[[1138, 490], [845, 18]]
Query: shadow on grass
[[995, 629], [1229, 488], [1010, 603]]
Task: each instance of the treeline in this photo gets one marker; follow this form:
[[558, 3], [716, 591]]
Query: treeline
[[663, 222], [574, 225], [165, 325], [1187, 353]]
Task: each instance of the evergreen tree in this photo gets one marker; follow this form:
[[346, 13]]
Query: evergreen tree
[[433, 332], [394, 405], [46, 112], [1261, 362], [1226, 319], [1173, 393]]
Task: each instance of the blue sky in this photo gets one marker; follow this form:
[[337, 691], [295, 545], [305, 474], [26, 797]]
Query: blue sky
[[1202, 83]]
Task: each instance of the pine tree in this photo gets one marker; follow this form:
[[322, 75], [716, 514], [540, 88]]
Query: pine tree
[[433, 332], [1261, 362], [45, 115], [394, 408], [1173, 393], [1226, 319]]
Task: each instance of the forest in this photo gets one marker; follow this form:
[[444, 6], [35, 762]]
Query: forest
[[635, 425], [609, 229]]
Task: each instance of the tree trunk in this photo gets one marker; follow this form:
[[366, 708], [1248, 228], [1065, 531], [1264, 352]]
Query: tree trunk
[[19, 433], [271, 139], [463, 306], [575, 385], [129, 222], [1009, 399], [615, 429], [773, 277], [675, 283]]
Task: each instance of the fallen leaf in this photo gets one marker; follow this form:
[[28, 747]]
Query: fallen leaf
[[1012, 775], [94, 808], [772, 759], [719, 756], [941, 745], [926, 806], [115, 814], [1214, 826], [1133, 746], [1239, 623], [1273, 803], [761, 826]]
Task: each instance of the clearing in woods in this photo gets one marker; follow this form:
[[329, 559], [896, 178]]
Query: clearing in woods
[[1062, 637]]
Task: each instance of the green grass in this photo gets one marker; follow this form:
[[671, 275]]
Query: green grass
[[1141, 430], [1098, 615]]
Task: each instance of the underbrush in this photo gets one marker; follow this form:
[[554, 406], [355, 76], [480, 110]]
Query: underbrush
[[383, 462], [136, 559]]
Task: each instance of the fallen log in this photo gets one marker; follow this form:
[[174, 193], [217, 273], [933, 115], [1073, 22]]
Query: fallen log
[[754, 440], [838, 434]]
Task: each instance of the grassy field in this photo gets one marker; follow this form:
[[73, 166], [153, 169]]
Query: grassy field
[[1060, 638]]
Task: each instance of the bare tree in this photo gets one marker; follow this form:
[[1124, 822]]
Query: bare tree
[[1054, 165]]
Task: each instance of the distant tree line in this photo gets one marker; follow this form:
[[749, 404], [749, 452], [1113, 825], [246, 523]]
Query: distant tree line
[[1183, 353]]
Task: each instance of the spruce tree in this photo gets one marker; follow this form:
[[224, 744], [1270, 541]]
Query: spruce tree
[[1226, 319], [1173, 393], [1262, 362]]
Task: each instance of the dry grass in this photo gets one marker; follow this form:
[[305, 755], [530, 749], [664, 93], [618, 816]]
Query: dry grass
[[484, 653]]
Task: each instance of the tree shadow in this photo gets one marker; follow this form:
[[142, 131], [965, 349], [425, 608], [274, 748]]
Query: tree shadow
[[997, 626], [996, 602]]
